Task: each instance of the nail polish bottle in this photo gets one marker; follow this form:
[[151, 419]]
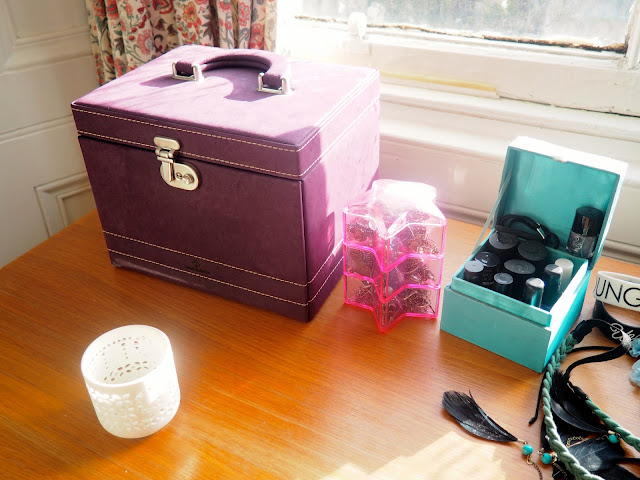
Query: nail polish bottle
[[533, 292], [491, 262], [473, 272], [503, 283], [567, 272], [533, 252], [503, 244], [520, 270], [552, 277], [583, 237]]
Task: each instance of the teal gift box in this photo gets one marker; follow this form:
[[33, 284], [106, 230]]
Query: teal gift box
[[546, 183]]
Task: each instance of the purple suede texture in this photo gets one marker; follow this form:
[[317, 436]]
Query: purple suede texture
[[224, 119], [264, 227]]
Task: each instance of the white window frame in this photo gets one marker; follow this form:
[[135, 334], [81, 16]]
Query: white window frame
[[451, 105], [565, 77]]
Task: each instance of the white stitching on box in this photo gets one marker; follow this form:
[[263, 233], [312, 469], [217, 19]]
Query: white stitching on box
[[120, 140], [230, 284], [339, 245], [116, 139], [250, 167], [187, 131], [206, 278], [324, 283]]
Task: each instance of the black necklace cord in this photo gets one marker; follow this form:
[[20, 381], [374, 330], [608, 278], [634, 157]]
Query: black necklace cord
[[604, 325], [541, 233], [610, 353], [610, 328], [575, 350]]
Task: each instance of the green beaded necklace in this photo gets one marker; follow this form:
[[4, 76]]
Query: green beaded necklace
[[583, 416], [560, 449]]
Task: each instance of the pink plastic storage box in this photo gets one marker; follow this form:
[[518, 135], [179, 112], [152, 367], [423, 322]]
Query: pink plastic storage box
[[393, 250]]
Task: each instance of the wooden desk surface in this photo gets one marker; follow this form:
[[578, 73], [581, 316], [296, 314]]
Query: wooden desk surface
[[263, 396]]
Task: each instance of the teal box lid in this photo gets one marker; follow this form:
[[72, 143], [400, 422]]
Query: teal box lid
[[547, 183]]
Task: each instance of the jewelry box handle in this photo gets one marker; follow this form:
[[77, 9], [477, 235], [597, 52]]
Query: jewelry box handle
[[275, 77]]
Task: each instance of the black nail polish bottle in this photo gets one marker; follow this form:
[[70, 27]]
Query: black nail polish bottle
[[502, 244], [503, 283], [473, 272], [585, 231], [520, 270], [491, 262], [533, 252]]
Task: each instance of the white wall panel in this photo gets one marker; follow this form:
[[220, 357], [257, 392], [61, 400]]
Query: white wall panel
[[33, 18], [44, 154], [45, 63]]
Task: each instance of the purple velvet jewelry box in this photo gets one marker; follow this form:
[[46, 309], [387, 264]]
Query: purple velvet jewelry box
[[202, 179]]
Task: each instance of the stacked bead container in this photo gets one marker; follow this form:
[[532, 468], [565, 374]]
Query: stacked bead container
[[393, 251]]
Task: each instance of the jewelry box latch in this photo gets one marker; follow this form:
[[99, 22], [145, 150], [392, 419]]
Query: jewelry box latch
[[179, 175]]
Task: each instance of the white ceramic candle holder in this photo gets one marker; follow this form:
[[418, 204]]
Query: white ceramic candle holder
[[131, 378]]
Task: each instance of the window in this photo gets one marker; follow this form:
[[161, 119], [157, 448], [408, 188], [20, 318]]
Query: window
[[594, 24], [467, 56]]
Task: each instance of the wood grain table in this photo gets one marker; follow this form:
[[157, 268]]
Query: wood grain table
[[263, 396]]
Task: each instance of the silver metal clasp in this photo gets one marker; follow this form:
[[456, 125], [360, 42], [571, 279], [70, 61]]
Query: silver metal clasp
[[283, 90], [196, 76], [179, 175]]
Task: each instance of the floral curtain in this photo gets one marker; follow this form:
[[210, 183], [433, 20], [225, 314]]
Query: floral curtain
[[127, 33]]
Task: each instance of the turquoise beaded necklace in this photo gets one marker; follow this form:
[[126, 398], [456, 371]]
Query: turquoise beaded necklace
[[576, 410], [616, 432]]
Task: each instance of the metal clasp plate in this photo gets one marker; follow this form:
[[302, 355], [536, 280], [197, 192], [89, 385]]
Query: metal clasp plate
[[179, 175]]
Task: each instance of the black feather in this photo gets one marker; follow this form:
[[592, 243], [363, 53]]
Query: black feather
[[597, 454], [568, 404], [601, 457], [617, 473], [472, 418]]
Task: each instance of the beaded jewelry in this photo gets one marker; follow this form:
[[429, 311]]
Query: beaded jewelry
[[571, 405], [560, 449], [635, 369]]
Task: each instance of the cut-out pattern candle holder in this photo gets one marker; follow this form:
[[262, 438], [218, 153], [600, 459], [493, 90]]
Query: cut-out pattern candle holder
[[131, 378], [393, 250]]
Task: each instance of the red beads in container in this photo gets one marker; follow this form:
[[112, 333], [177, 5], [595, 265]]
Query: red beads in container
[[393, 250]]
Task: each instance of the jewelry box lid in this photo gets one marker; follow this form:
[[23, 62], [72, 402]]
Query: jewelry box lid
[[225, 117]]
